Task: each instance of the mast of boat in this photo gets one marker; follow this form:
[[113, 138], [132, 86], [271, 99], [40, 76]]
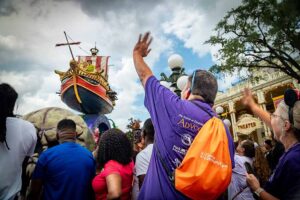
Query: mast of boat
[[74, 69], [69, 45]]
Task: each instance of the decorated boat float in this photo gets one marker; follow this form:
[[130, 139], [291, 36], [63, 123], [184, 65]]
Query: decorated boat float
[[85, 87]]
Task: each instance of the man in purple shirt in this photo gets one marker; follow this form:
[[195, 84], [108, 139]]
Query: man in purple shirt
[[176, 122]]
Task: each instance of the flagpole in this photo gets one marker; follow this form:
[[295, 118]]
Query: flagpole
[[69, 45]]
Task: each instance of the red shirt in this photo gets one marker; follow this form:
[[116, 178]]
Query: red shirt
[[113, 167]]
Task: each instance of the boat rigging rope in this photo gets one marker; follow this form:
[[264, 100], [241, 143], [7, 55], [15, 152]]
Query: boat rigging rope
[[79, 46]]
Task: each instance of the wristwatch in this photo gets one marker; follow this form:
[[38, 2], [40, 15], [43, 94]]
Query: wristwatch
[[258, 191]]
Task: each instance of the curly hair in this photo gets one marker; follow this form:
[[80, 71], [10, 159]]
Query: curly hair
[[114, 145], [261, 166]]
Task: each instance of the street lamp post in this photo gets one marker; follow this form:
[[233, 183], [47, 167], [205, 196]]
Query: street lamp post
[[175, 63], [220, 111]]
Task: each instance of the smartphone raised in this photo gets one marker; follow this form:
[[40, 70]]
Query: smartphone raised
[[248, 167]]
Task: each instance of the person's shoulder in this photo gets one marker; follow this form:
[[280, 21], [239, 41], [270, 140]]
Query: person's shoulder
[[52, 150], [151, 79], [145, 152], [47, 154], [239, 159], [20, 122], [83, 149], [293, 157], [140, 155], [148, 150], [112, 163]]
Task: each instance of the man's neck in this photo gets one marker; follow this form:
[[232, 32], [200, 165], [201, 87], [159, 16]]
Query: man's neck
[[66, 140], [195, 97], [147, 143], [289, 141]]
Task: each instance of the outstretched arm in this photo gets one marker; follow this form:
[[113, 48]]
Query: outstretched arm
[[141, 50], [248, 101], [254, 185]]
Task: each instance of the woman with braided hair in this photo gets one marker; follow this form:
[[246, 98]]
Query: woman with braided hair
[[284, 183], [17, 140], [115, 159]]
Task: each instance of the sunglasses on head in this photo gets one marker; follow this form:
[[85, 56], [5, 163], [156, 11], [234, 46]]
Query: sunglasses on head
[[291, 96]]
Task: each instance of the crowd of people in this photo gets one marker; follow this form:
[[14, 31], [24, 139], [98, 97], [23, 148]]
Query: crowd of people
[[70, 171]]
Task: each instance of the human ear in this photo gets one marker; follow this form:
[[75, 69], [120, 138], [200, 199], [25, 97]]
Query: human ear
[[287, 125]]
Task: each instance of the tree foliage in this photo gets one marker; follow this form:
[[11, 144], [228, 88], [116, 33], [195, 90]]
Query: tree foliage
[[259, 34], [134, 129]]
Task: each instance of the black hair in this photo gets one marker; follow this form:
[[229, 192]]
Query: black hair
[[248, 145], [114, 145], [148, 130], [269, 142], [66, 124], [137, 136], [8, 97], [204, 84]]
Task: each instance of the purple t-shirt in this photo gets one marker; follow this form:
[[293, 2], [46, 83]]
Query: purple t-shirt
[[285, 181], [176, 123]]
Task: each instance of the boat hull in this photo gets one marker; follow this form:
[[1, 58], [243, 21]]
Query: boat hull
[[91, 98]]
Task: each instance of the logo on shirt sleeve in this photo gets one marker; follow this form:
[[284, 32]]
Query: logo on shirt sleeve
[[186, 139]]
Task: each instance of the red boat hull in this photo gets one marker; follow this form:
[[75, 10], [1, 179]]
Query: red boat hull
[[92, 96]]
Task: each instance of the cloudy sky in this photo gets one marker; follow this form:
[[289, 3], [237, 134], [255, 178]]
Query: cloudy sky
[[29, 30]]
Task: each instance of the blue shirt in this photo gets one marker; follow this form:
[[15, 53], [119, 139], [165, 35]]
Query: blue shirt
[[176, 123], [285, 181], [67, 171]]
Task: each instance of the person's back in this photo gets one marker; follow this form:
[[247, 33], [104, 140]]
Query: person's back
[[143, 158], [176, 122], [21, 140], [114, 158], [173, 137], [65, 170], [238, 188], [17, 140], [68, 169], [114, 167]]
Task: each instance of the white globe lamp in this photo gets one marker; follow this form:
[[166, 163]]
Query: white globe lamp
[[175, 61], [227, 122], [219, 110], [181, 82]]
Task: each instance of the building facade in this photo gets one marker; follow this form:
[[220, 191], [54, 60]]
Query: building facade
[[268, 92]]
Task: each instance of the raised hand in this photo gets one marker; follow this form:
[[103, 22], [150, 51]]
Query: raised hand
[[142, 46], [252, 181], [248, 99]]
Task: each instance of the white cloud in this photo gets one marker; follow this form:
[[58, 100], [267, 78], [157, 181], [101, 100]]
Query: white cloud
[[10, 42], [125, 81], [28, 35], [36, 90]]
